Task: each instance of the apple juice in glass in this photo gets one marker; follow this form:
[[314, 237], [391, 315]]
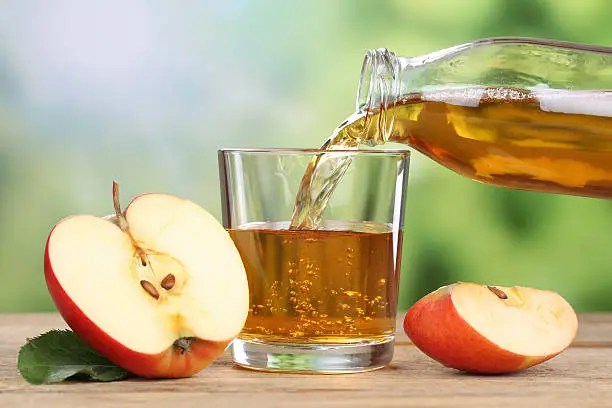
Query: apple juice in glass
[[324, 299], [336, 284]]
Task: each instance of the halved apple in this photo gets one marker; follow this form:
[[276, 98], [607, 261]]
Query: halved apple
[[160, 289], [488, 329]]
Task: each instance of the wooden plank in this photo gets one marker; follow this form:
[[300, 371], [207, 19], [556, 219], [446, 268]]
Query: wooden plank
[[595, 330], [579, 377], [573, 379]]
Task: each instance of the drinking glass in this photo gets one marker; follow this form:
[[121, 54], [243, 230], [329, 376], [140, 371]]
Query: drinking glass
[[324, 299]]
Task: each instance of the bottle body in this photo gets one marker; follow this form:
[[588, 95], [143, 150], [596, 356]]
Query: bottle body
[[517, 113]]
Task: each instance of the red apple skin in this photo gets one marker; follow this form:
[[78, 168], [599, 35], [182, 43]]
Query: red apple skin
[[170, 363], [435, 327]]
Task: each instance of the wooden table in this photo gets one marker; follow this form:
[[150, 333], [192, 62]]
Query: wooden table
[[580, 377]]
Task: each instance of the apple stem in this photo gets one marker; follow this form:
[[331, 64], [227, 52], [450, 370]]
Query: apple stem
[[498, 292], [120, 217], [149, 288], [168, 282], [123, 224]]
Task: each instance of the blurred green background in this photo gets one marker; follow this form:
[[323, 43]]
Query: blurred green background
[[145, 92]]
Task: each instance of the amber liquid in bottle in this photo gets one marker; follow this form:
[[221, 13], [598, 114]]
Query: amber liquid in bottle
[[336, 284], [511, 141]]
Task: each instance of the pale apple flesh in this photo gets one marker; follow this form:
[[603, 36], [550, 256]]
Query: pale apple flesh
[[95, 269], [473, 328]]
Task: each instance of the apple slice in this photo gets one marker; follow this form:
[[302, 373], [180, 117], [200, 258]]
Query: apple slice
[[487, 329], [160, 290]]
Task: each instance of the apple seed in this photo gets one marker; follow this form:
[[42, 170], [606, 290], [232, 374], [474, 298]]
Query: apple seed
[[149, 288], [168, 282], [498, 292]]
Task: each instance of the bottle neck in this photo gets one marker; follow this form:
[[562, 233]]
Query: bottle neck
[[379, 90], [380, 80]]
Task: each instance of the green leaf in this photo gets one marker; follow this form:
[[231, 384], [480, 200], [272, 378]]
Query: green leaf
[[59, 355]]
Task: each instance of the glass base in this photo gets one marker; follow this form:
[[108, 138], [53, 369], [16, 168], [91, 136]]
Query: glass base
[[313, 358]]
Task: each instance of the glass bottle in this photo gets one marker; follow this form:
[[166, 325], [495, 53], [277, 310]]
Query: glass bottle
[[520, 113]]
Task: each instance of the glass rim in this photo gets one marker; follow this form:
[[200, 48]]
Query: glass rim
[[288, 150]]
